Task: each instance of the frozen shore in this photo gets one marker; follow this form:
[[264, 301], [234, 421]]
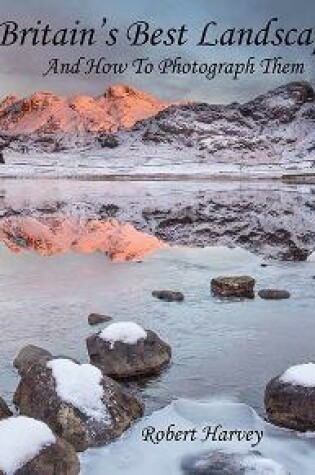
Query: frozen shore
[[144, 163]]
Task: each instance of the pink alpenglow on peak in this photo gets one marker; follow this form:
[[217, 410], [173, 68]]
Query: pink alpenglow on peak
[[120, 106], [51, 236]]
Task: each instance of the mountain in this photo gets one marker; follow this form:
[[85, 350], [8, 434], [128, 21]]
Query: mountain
[[44, 112], [276, 128], [279, 124]]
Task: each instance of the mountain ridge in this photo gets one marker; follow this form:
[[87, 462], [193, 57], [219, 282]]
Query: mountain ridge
[[46, 112], [279, 123], [275, 127]]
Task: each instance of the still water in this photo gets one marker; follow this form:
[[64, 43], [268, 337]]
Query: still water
[[221, 350]]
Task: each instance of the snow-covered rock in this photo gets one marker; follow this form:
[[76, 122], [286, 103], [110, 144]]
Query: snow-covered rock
[[21, 439], [80, 404], [29, 446], [290, 398], [126, 350]]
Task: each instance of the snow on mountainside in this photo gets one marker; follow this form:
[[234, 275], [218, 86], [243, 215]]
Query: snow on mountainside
[[277, 125], [275, 129], [44, 112]]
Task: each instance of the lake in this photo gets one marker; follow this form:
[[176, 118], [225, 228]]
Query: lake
[[224, 352]]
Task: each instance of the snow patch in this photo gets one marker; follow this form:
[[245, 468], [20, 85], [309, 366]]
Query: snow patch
[[275, 102], [262, 466], [22, 439], [126, 332], [300, 375], [80, 385]]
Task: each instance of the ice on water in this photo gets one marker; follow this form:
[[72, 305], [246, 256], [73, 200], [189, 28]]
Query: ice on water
[[132, 456]]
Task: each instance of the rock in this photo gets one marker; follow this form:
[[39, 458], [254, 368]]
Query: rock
[[221, 463], [263, 264], [240, 286], [38, 396], [295, 253], [30, 355], [129, 360], [96, 318], [274, 294], [56, 457], [290, 405], [4, 409], [2, 161], [168, 295], [109, 210], [108, 141]]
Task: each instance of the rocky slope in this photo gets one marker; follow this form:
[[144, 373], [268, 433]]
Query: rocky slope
[[277, 125], [276, 128]]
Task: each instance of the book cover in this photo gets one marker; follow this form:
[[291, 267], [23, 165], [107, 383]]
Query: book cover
[[157, 233]]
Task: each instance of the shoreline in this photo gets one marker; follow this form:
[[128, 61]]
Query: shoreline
[[296, 178], [142, 177]]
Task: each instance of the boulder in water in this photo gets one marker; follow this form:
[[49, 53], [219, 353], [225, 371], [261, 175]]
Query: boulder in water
[[97, 318], [290, 398], [274, 294], [168, 295], [76, 401], [235, 286], [59, 458], [30, 355], [126, 350]]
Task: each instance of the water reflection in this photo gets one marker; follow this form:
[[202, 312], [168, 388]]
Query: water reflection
[[58, 235]]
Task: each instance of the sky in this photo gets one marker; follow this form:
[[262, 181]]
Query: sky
[[21, 68]]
